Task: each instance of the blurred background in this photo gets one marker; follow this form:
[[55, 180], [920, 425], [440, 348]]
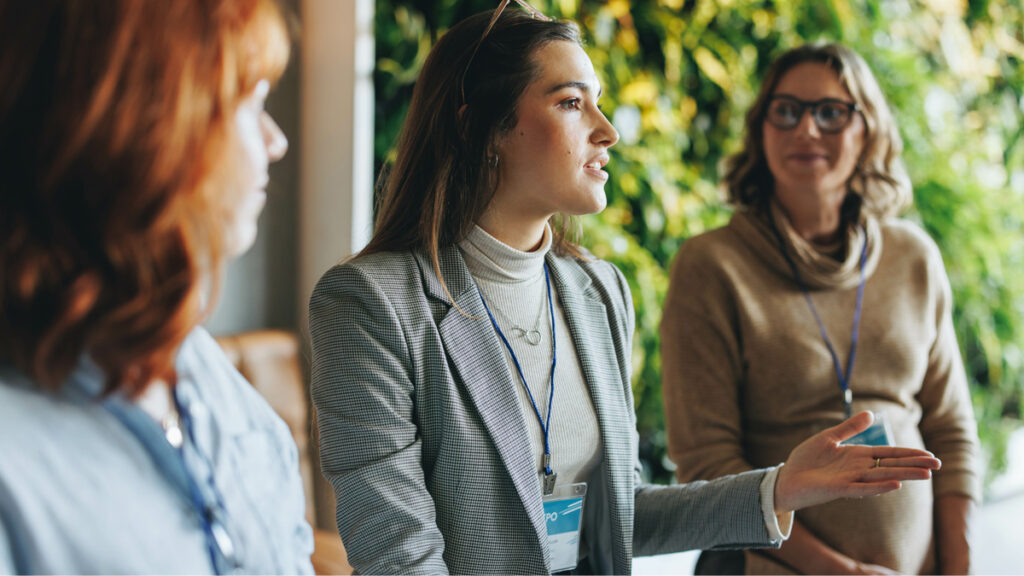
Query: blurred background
[[678, 77]]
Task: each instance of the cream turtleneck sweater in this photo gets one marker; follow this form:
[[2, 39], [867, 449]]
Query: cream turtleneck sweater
[[514, 288]]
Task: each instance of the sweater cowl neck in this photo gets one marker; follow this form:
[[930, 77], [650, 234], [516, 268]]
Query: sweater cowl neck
[[818, 270]]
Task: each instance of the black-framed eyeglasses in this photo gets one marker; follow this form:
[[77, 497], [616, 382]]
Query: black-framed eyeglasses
[[831, 115], [497, 13]]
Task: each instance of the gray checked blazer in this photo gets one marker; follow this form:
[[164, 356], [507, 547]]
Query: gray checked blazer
[[423, 439]]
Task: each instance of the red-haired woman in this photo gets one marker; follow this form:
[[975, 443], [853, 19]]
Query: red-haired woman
[[134, 150]]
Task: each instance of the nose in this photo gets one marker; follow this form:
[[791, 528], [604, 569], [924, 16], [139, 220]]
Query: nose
[[604, 133], [273, 138], [807, 125]]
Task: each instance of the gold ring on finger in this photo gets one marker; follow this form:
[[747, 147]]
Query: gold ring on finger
[[878, 463]]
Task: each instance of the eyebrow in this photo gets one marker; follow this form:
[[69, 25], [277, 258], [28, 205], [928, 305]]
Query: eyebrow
[[574, 84], [827, 98]]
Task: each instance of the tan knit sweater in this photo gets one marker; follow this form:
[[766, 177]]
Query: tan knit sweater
[[747, 376]]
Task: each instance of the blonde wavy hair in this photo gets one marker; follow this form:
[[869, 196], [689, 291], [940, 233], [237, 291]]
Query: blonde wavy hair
[[879, 186]]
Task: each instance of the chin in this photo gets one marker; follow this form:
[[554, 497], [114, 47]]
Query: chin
[[594, 203], [240, 241]]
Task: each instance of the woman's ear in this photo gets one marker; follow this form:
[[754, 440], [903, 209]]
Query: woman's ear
[[495, 149]]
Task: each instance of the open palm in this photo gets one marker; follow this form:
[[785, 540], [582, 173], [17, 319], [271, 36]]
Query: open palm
[[821, 469]]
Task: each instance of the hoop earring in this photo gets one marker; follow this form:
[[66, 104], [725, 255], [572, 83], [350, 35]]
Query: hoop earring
[[492, 161]]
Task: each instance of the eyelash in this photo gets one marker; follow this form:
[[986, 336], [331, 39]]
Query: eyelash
[[571, 104]]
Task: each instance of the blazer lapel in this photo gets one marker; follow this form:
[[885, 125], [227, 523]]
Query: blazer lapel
[[587, 318], [476, 354]]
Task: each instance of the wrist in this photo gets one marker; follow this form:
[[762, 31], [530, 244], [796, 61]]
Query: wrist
[[780, 500]]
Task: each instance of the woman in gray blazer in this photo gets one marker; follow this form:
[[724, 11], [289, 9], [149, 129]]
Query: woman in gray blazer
[[471, 367]]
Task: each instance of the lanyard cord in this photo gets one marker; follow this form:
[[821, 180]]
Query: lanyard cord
[[844, 379], [172, 464], [545, 427]]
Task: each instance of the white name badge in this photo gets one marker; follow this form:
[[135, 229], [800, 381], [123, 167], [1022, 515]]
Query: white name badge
[[878, 434], [563, 514]]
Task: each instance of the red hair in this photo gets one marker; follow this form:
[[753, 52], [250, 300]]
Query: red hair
[[112, 117]]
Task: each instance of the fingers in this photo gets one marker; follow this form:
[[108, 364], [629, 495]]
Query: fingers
[[864, 489], [892, 456], [850, 427], [872, 475], [929, 462], [898, 452]]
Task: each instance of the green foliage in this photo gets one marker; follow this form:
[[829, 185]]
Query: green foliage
[[680, 74]]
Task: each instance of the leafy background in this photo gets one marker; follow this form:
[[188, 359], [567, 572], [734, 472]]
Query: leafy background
[[678, 77]]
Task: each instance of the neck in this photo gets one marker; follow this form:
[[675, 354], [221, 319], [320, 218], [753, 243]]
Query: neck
[[814, 217], [157, 400], [516, 230]]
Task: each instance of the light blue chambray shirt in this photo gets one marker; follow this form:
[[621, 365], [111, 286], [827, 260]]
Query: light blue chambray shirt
[[80, 494]]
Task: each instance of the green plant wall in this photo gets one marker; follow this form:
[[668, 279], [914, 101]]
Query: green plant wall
[[678, 77]]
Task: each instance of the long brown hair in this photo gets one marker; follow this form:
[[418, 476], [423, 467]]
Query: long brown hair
[[442, 180], [112, 117], [879, 185]]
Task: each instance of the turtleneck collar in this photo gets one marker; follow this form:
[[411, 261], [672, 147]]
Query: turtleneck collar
[[818, 269], [491, 259]]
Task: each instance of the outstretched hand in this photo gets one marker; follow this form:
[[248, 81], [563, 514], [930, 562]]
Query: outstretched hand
[[820, 470]]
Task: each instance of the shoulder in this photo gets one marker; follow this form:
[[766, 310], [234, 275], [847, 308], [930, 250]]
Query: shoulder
[[380, 288], [23, 406], [911, 257], [708, 250], [14, 386], [35, 414], [708, 265], [601, 272], [386, 270], [595, 275], [909, 240]]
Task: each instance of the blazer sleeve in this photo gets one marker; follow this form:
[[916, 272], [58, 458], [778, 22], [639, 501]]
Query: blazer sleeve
[[947, 419], [720, 514], [724, 513], [370, 448]]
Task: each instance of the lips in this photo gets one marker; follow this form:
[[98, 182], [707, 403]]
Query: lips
[[807, 156], [594, 167], [598, 162]]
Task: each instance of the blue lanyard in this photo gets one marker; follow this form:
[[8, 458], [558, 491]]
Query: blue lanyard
[[171, 462], [844, 378], [549, 475]]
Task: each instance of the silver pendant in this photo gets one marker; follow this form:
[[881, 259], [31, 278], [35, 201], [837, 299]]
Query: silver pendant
[[532, 337]]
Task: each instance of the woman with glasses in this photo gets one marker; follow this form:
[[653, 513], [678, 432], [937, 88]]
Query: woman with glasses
[[813, 303], [471, 366], [135, 149]]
